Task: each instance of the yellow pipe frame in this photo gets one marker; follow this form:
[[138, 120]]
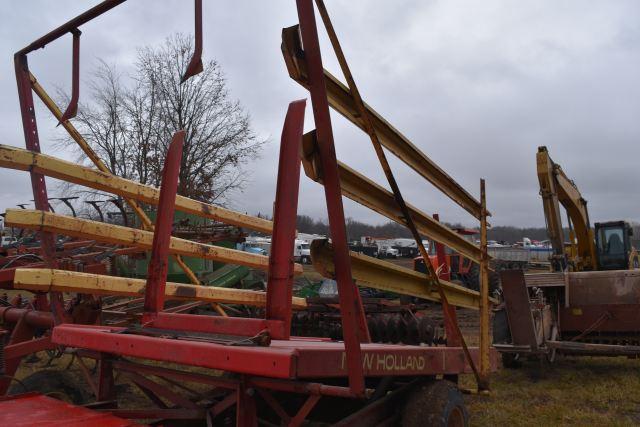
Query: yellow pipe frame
[[45, 280], [82, 143], [485, 343], [20, 159], [342, 101], [119, 235], [361, 189], [374, 273]]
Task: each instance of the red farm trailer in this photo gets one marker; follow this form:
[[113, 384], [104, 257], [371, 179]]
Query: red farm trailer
[[270, 377]]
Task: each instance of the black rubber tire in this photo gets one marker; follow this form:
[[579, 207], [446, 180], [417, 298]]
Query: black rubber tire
[[57, 384], [438, 404]]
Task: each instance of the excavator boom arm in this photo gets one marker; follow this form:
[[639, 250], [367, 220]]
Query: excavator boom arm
[[557, 189]]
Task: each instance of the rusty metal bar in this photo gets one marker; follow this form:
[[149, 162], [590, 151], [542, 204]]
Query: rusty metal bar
[[40, 319], [354, 325], [485, 364], [369, 128], [38, 184], [195, 64], [74, 23], [361, 189], [441, 256], [72, 108], [342, 101], [303, 387], [183, 376]]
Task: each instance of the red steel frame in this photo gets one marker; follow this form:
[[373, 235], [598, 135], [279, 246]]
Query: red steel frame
[[285, 364], [354, 325], [23, 331], [282, 363]]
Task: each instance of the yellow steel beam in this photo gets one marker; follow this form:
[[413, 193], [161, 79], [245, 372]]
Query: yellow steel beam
[[20, 159], [342, 101], [42, 279], [374, 273], [119, 235], [361, 189]]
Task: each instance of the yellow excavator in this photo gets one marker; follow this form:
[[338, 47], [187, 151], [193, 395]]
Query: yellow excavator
[[590, 303], [607, 246]]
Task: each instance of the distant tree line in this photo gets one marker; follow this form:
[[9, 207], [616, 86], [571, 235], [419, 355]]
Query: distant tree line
[[502, 233], [511, 234], [356, 229]]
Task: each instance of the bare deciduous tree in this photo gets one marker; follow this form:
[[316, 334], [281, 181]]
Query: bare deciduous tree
[[129, 122]]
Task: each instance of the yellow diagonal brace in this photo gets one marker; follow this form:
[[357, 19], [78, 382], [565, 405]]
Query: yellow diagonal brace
[[342, 101], [361, 189], [17, 158]]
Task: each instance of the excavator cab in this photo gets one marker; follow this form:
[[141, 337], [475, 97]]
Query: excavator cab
[[613, 245]]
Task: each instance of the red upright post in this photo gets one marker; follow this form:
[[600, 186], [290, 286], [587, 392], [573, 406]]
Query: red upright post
[[159, 263], [38, 185], [280, 283], [354, 325]]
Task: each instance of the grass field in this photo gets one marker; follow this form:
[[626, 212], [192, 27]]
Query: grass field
[[582, 391], [573, 391]]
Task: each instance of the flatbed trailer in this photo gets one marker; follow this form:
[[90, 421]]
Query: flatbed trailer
[[271, 376], [589, 313]]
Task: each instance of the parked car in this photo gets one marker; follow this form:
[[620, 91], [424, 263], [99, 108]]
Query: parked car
[[388, 252]]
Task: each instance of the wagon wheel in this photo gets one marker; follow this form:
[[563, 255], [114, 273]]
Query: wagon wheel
[[438, 403]]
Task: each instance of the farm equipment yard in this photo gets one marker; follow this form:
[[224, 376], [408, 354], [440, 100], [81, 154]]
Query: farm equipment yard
[[142, 283], [572, 391]]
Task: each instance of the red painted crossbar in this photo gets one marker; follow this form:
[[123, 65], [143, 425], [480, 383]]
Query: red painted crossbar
[[296, 358], [220, 325]]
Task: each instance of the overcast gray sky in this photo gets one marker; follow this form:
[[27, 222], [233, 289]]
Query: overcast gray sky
[[478, 86]]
